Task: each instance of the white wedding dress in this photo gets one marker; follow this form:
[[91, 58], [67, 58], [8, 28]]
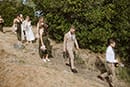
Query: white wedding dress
[[22, 31], [28, 31]]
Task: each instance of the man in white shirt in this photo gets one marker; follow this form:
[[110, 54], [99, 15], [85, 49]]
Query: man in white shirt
[[110, 63]]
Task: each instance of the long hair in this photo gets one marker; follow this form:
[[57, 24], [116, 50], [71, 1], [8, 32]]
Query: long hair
[[41, 18]]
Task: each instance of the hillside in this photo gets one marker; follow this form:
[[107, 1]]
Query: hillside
[[22, 67]]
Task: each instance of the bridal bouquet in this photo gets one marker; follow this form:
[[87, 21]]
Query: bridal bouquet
[[43, 48]]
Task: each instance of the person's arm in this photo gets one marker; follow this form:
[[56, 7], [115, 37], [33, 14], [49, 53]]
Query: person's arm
[[76, 43], [29, 23], [37, 28], [14, 21], [64, 43]]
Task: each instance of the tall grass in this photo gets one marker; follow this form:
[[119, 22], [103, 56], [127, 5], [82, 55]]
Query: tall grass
[[124, 74]]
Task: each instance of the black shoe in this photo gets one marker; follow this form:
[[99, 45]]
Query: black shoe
[[101, 78], [111, 85], [74, 70], [67, 64]]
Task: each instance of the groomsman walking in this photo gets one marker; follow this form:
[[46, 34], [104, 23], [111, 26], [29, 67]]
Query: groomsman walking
[[110, 64], [69, 44]]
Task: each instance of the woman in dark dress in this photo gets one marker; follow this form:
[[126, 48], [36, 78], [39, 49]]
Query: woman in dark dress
[[44, 43], [1, 23], [17, 23]]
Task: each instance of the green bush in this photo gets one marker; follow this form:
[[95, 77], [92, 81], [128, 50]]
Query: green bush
[[9, 10], [123, 73], [95, 21]]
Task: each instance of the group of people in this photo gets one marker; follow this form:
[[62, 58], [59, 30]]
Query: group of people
[[24, 32], [23, 29], [69, 45]]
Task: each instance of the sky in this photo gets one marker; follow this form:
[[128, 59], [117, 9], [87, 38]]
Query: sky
[[24, 1]]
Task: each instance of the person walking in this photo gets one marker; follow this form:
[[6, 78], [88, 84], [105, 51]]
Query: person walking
[[17, 27], [28, 30], [1, 23], [110, 64], [23, 38], [69, 44], [44, 43]]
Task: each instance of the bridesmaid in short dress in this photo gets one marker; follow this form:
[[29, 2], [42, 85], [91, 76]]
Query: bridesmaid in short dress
[[44, 43]]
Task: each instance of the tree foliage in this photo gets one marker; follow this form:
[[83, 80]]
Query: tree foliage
[[9, 10], [95, 21]]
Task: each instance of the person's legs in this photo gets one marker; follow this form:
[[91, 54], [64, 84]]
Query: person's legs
[[71, 56], [67, 62], [48, 47], [47, 57], [108, 71], [110, 74], [104, 75], [41, 54], [1, 27], [66, 57], [112, 77], [19, 37], [45, 52], [44, 59]]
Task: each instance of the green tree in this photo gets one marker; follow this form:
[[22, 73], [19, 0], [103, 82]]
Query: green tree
[[9, 10], [95, 20]]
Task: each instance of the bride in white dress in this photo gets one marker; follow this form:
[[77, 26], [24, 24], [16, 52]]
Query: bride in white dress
[[28, 30]]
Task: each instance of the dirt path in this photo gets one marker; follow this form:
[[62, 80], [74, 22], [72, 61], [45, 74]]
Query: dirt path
[[24, 68]]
